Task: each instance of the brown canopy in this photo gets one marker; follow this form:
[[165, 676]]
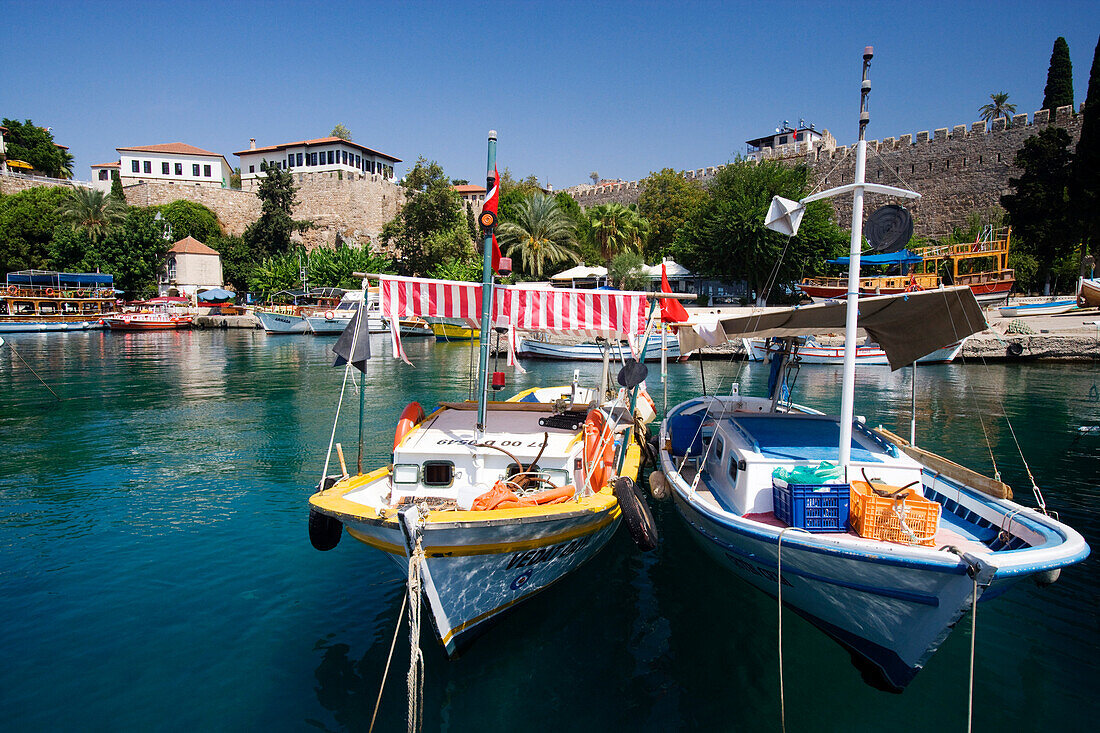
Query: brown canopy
[[907, 326]]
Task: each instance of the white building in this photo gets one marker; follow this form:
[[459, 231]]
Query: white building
[[788, 141], [101, 175], [174, 162], [471, 194], [190, 268], [323, 155]]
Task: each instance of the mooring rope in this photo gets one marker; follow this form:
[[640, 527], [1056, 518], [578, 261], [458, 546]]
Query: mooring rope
[[416, 656], [973, 633], [389, 658], [779, 596]]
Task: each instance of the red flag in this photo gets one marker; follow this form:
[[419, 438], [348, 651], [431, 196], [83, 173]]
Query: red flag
[[671, 310], [491, 203]]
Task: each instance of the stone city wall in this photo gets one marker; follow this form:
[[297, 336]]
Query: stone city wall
[[957, 170]]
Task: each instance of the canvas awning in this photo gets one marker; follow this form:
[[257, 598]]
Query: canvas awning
[[581, 272], [904, 257], [907, 326]]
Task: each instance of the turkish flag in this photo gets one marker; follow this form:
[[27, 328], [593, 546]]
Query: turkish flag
[[492, 201], [671, 309]]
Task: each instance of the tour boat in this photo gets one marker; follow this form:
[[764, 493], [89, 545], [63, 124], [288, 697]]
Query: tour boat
[[291, 318], [892, 544], [336, 319], [44, 300], [1044, 307], [812, 352], [484, 503], [593, 351], [147, 321], [1088, 296]]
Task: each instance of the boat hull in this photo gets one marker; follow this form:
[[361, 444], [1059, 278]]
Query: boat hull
[[134, 323], [37, 326], [453, 332], [1089, 294], [475, 571], [319, 323], [865, 355], [282, 322], [1037, 309], [530, 349]]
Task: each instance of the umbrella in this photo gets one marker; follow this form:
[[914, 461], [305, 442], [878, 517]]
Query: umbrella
[[216, 295]]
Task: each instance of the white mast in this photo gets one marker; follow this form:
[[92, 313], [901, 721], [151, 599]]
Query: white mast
[[784, 216]]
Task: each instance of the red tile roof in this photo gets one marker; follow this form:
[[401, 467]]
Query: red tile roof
[[116, 164], [468, 188], [318, 141], [192, 246], [171, 148]]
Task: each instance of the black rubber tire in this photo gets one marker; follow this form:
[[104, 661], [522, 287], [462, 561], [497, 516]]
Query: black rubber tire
[[639, 522], [324, 531]]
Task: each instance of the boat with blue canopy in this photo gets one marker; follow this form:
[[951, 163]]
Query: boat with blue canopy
[[46, 300]]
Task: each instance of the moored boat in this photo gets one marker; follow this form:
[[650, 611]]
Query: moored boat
[[1043, 307], [812, 352], [320, 319], [880, 544], [453, 329], [147, 321], [593, 351], [1088, 295], [44, 300]]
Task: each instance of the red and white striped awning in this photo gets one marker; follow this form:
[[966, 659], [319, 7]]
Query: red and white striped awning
[[610, 314]]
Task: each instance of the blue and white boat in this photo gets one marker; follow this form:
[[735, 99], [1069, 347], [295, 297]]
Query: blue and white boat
[[593, 351], [890, 595], [1044, 307]]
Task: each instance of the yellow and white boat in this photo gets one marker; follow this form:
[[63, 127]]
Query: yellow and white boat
[[453, 329]]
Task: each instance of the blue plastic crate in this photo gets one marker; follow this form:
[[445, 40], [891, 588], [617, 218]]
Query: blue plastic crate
[[812, 507]]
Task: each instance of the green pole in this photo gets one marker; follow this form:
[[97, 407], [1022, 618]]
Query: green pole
[[634, 396], [486, 291]]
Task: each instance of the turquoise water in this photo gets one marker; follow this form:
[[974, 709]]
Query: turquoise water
[[156, 571]]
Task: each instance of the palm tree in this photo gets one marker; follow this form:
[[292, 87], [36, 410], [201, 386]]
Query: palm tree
[[541, 234], [65, 166], [617, 228], [999, 107], [92, 210]]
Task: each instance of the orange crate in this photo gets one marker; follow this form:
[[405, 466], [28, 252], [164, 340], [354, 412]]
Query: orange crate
[[877, 517]]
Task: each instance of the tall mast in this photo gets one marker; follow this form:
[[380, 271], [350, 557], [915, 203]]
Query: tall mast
[[851, 314], [486, 291]]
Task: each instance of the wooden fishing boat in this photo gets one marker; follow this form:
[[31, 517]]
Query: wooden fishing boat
[[325, 320], [485, 503], [1043, 307], [291, 317], [592, 351], [1088, 296], [148, 321], [416, 328], [869, 354], [453, 329], [893, 544], [44, 300]]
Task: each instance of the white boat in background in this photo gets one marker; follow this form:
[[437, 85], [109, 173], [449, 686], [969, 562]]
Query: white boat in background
[[892, 544], [1044, 307], [1088, 295], [811, 352], [593, 351], [282, 321], [335, 320], [292, 318]]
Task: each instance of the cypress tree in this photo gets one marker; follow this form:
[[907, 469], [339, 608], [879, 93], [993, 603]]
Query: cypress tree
[[1059, 89], [116, 188], [1085, 189]]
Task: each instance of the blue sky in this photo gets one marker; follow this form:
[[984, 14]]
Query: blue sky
[[572, 87]]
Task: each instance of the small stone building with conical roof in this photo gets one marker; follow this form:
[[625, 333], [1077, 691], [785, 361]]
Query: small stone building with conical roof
[[190, 268]]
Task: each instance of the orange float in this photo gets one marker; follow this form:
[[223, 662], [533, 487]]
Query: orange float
[[599, 450], [411, 416]]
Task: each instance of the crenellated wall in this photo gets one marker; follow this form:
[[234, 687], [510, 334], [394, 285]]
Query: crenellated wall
[[957, 170]]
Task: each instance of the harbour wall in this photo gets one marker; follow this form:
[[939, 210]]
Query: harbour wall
[[957, 170]]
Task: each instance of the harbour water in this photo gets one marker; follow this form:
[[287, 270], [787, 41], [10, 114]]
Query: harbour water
[[156, 574]]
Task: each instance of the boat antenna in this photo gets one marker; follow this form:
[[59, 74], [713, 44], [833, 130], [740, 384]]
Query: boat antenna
[[488, 225]]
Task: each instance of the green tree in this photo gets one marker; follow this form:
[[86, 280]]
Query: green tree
[[132, 251], [117, 192], [91, 210], [541, 234], [65, 164], [34, 145], [190, 219], [27, 223], [668, 200], [727, 239], [616, 228], [997, 107], [1039, 209], [341, 132], [1085, 183], [1059, 88], [235, 178], [626, 273], [431, 227], [270, 234], [237, 260]]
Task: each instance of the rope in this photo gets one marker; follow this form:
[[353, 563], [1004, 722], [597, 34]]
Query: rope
[[340, 402], [779, 596], [973, 633], [40, 379], [416, 656], [389, 658]]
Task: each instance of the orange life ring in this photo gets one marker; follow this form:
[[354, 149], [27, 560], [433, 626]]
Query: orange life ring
[[49, 291], [411, 416], [13, 289], [329, 315], [599, 450]]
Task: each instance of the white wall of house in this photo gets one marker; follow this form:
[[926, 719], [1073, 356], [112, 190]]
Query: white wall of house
[[316, 159], [212, 169], [189, 273]]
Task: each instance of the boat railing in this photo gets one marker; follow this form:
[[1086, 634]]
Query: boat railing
[[985, 277]]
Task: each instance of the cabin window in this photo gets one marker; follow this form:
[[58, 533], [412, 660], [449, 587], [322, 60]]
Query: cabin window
[[68, 307], [733, 468], [719, 448], [406, 473], [22, 306], [439, 473], [557, 476], [47, 308]]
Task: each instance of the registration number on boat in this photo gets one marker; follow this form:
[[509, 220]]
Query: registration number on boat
[[546, 554], [502, 443]]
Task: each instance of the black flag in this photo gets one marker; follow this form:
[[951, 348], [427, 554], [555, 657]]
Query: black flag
[[342, 348]]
